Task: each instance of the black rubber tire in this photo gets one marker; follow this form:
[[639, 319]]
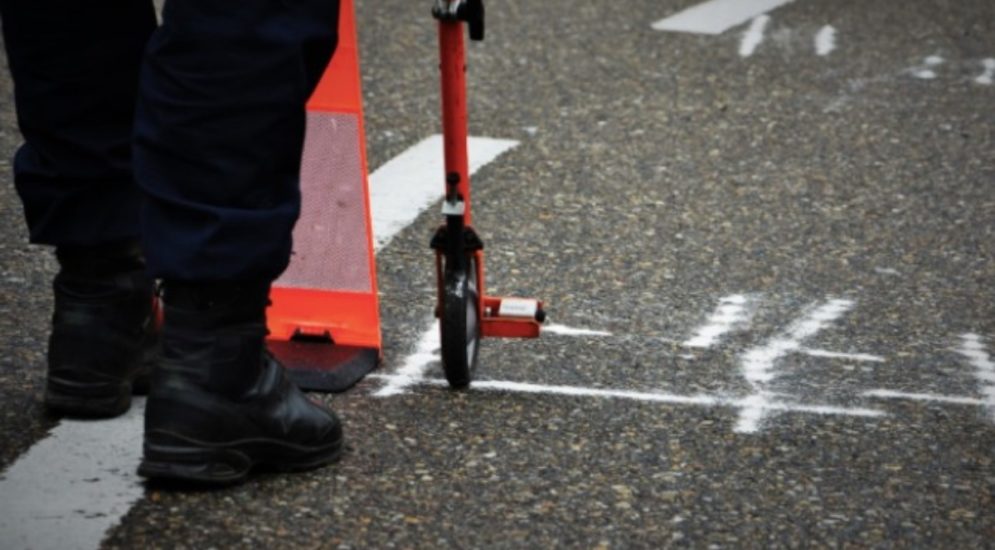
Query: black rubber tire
[[459, 326]]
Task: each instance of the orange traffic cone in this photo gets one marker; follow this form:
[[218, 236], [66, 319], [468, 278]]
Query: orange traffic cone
[[324, 320]]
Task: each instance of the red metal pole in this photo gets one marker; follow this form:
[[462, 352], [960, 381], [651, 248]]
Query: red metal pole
[[454, 111]]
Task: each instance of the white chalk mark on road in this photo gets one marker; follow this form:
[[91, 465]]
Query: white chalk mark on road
[[949, 399], [846, 356], [758, 363], [731, 313], [413, 181], [704, 400], [986, 77], [926, 71], [825, 40], [753, 36], [74, 485], [973, 348], [716, 16], [570, 331], [412, 371]]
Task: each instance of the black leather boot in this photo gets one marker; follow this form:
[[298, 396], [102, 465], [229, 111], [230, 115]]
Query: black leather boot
[[103, 330], [220, 404]]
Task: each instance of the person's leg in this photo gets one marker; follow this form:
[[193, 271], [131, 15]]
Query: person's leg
[[218, 140], [220, 130], [75, 71]]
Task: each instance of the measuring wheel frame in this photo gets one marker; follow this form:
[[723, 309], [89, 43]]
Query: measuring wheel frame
[[466, 313], [459, 324]]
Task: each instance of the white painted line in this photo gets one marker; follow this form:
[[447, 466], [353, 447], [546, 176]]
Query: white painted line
[[570, 331], [703, 400], [926, 71], [716, 16], [74, 485], [753, 36], [758, 363], [576, 391], [973, 348], [986, 77], [413, 181], [825, 40], [838, 355], [731, 313], [951, 399]]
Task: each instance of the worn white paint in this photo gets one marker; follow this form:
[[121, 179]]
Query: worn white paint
[[758, 363], [948, 399], [731, 313], [716, 16], [571, 331], [71, 487], [988, 75], [413, 181], [825, 40], [846, 356], [753, 36], [973, 348], [926, 71]]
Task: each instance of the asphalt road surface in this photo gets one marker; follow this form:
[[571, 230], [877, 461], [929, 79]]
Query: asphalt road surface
[[768, 255]]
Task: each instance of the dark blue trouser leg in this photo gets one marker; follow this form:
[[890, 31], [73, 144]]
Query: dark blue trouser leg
[[219, 133], [75, 68]]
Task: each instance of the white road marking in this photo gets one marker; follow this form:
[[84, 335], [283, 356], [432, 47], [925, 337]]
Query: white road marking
[[704, 400], [570, 331], [413, 181], [973, 348], [731, 313], [716, 16], [825, 40], [951, 399], [74, 485], [753, 36], [986, 77], [758, 363], [838, 355], [926, 71]]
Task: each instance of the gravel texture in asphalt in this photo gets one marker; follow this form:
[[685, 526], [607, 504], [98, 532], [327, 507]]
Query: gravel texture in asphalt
[[846, 200]]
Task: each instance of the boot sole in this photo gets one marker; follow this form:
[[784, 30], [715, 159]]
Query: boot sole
[[77, 400], [206, 463], [88, 406]]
